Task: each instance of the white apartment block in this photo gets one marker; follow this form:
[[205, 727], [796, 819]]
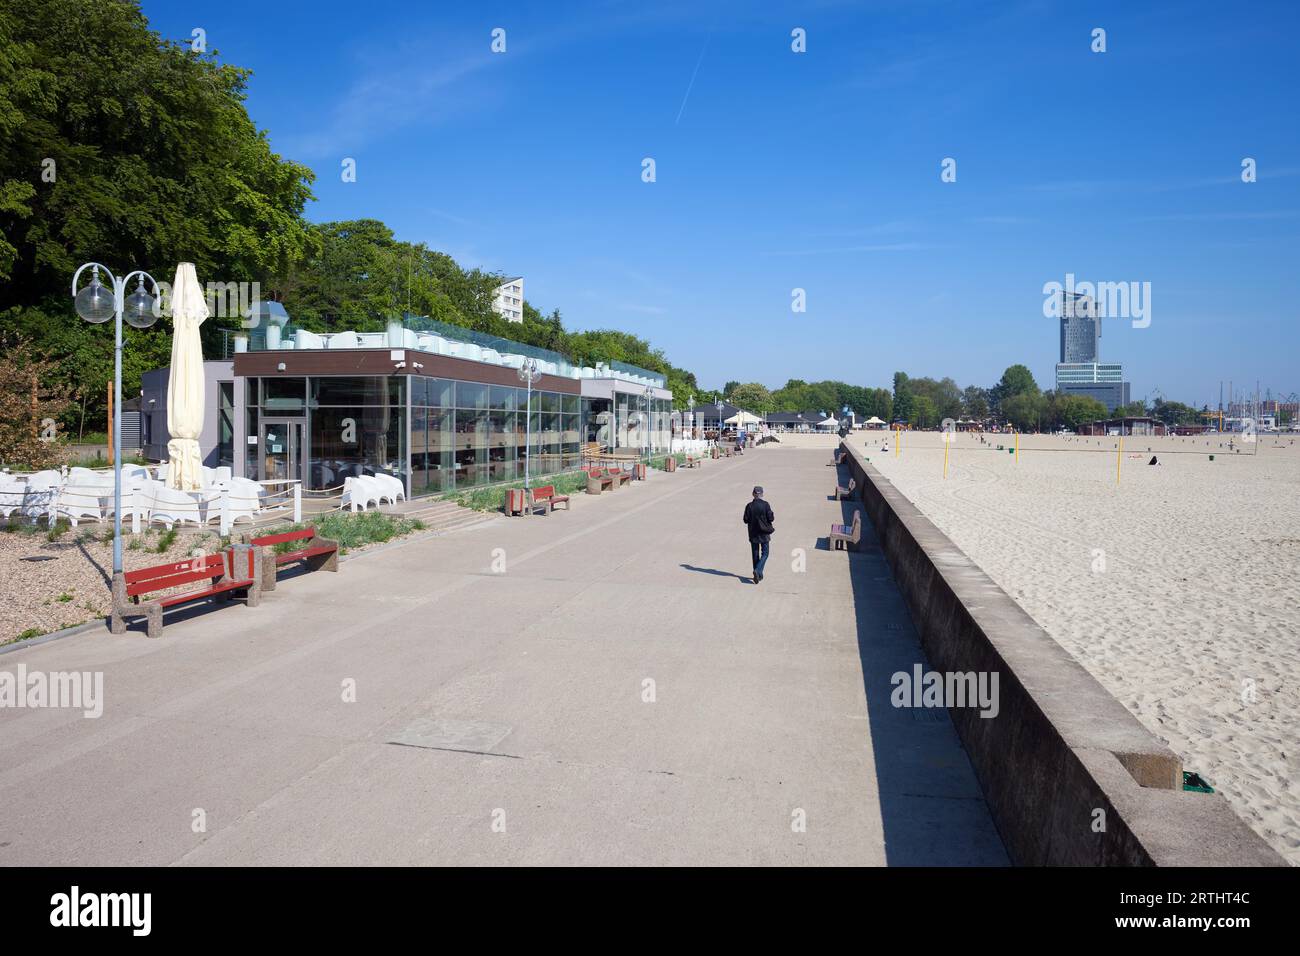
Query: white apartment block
[[509, 301]]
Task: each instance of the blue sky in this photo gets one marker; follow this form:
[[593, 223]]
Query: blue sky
[[819, 170]]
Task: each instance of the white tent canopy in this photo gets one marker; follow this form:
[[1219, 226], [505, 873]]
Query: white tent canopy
[[743, 417], [829, 422], [186, 385], [873, 420]]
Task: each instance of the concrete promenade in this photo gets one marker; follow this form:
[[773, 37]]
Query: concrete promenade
[[501, 679]]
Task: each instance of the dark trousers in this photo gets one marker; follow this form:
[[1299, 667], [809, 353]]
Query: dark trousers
[[759, 548]]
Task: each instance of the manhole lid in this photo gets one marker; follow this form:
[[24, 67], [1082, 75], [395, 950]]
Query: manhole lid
[[40, 557]]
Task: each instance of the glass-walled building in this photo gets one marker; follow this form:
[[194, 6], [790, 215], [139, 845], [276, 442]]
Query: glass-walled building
[[436, 412]]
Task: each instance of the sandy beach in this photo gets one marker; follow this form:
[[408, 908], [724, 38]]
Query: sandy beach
[[1178, 587]]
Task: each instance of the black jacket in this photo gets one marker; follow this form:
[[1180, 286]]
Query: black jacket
[[759, 517]]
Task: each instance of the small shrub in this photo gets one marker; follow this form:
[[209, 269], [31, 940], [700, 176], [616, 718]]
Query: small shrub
[[65, 597], [165, 541], [58, 529]]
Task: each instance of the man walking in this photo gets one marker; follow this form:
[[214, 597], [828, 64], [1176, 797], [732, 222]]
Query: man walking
[[759, 518]]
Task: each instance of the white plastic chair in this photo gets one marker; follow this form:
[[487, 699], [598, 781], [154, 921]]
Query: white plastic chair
[[389, 487], [244, 500], [173, 507], [360, 491], [12, 491], [84, 497], [41, 495]]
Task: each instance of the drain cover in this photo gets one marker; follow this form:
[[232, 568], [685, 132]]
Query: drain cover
[[40, 557], [440, 733]]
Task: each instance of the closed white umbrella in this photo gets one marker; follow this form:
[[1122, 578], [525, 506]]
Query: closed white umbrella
[[185, 389]]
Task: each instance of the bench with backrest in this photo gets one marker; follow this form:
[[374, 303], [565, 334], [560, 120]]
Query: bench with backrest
[[306, 546], [845, 535], [598, 481], [223, 573], [545, 496], [841, 492]]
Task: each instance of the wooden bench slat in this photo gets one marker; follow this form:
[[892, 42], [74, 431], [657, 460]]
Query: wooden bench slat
[[291, 556], [172, 600], [178, 567], [274, 539]]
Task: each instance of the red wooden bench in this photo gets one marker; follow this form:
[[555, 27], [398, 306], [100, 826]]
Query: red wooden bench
[[316, 552], [620, 476], [598, 481], [224, 572], [692, 461], [545, 496]]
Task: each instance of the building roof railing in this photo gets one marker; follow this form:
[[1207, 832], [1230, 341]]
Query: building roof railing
[[274, 331]]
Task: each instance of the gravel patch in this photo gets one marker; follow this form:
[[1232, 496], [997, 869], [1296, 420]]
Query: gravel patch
[[73, 587]]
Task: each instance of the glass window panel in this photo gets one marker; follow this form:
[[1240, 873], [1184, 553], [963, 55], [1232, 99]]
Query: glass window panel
[[419, 390], [569, 424], [284, 394], [502, 398], [441, 393], [471, 395], [352, 390], [546, 401], [251, 452], [569, 403], [348, 442]]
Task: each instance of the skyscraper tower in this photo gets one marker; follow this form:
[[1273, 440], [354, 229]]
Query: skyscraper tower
[[1080, 329]]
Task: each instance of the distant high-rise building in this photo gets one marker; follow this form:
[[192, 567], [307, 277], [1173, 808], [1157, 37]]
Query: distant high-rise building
[[509, 300], [1079, 370], [1080, 329]]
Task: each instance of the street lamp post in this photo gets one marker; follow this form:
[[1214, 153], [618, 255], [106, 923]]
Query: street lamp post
[[528, 373], [649, 393], [96, 303], [718, 441]]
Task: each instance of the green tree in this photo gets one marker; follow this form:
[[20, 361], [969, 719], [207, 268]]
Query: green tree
[[924, 412], [1136, 409], [903, 398], [1024, 410], [975, 402], [1016, 380], [1071, 411], [750, 396], [154, 157]]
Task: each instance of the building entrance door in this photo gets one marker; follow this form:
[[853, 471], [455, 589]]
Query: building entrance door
[[282, 449]]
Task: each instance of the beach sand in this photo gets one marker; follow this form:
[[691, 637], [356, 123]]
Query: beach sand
[[1178, 587]]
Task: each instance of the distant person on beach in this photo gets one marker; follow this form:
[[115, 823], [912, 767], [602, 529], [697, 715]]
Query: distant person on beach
[[758, 519]]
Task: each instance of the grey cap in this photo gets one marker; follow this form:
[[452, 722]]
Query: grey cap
[[758, 489]]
